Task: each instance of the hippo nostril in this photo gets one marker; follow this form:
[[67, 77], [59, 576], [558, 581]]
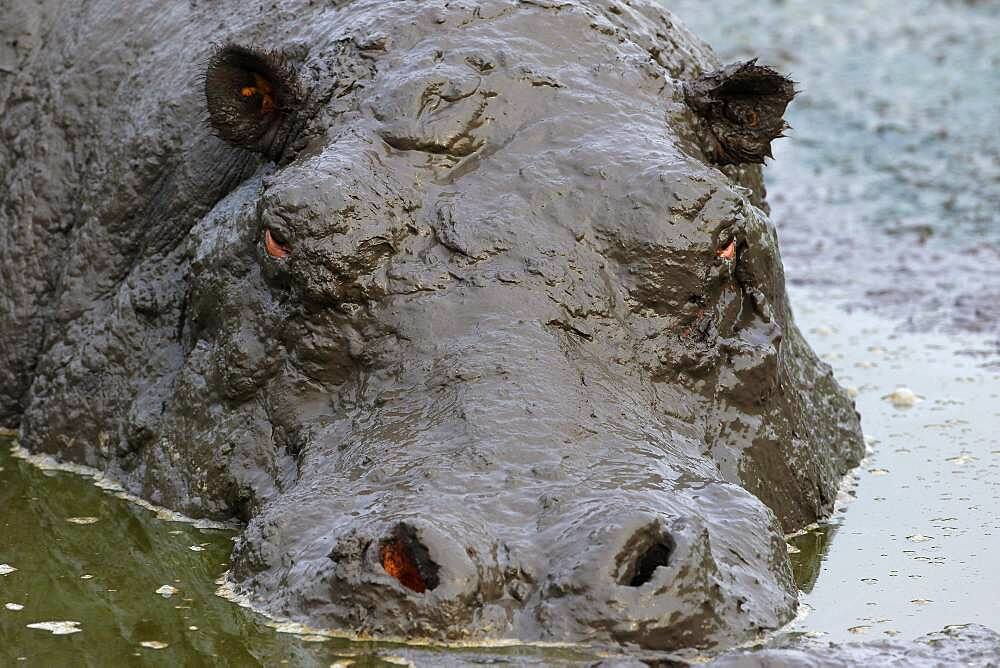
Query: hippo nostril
[[645, 554], [657, 555], [405, 558]]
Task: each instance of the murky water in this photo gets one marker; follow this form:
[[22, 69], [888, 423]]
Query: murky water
[[886, 197], [914, 550]]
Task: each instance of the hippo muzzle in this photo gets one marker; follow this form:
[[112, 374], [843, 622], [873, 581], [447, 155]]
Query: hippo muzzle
[[501, 479], [479, 341]]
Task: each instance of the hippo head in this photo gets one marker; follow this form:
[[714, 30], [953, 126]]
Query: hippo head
[[463, 322]]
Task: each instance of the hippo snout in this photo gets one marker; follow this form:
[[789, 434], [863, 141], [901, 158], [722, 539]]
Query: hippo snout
[[660, 572], [506, 536]]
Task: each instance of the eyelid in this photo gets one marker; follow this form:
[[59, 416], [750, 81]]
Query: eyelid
[[273, 247], [727, 252]]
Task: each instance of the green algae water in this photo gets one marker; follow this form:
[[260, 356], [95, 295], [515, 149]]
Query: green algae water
[[104, 581]]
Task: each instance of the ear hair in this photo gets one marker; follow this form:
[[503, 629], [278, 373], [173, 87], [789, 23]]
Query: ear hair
[[252, 97], [742, 106]]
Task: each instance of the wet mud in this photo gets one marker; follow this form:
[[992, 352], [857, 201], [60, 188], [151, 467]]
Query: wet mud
[[475, 338]]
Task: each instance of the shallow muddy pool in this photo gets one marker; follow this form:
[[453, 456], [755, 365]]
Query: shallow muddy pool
[[912, 547], [886, 246], [887, 189], [886, 197]]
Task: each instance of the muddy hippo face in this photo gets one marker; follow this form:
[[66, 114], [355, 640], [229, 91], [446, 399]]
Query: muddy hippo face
[[485, 347]]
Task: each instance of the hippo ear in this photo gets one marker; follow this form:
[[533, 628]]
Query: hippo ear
[[742, 106], [252, 98]]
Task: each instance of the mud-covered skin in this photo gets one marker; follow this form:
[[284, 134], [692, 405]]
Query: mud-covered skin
[[503, 326]]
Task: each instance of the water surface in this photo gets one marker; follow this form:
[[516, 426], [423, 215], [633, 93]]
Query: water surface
[[913, 548], [887, 190]]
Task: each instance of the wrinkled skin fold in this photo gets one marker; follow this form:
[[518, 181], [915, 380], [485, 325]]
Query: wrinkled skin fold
[[503, 385]]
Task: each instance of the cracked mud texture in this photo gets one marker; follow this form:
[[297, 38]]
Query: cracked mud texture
[[503, 359]]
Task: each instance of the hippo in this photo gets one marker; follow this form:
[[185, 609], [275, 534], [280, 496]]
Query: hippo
[[469, 311]]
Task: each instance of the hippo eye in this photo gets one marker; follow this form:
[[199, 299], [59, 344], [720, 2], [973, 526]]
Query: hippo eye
[[727, 252], [274, 246], [252, 98]]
